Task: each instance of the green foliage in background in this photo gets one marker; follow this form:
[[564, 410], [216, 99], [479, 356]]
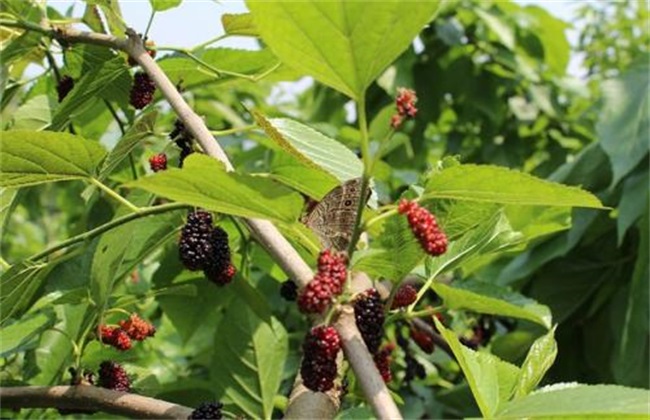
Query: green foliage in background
[[540, 180]]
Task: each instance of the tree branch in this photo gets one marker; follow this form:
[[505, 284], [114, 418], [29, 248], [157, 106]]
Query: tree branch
[[88, 397]]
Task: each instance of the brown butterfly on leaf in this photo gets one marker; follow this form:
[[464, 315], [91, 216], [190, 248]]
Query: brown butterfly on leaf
[[333, 218]]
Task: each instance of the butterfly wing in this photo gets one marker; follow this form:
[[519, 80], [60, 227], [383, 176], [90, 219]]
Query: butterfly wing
[[333, 218]]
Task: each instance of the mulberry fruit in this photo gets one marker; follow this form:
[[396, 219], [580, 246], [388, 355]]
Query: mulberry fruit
[[113, 376], [195, 245], [326, 284], [158, 162], [115, 337], [405, 295], [64, 87], [414, 369], [422, 339], [142, 90], [425, 227], [382, 361], [405, 103], [137, 328], [207, 410], [289, 290], [318, 368], [369, 316]]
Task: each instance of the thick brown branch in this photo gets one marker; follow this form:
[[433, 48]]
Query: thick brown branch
[[87, 397]]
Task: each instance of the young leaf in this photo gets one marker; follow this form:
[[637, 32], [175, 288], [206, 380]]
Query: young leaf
[[30, 158], [20, 335], [575, 401], [539, 360], [491, 380], [312, 147], [491, 299], [247, 361], [501, 185], [19, 286], [204, 183], [345, 45], [239, 24], [162, 5]]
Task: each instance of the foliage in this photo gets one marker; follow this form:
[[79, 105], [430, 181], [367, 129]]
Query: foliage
[[538, 179]]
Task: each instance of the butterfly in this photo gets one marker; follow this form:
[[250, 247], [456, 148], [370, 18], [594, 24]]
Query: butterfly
[[333, 218]]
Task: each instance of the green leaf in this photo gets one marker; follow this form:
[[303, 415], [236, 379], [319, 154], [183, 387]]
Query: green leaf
[[539, 360], [89, 87], [550, 31], [632, 351], [574, 401], [634, 201], [312, 147], [239, 24], [141, 129], [345, 45], [114, 257], [7, 204], [400, 252], [501, 185], [502, 29], [491, 380], [35, 114], [623, 124], [30, 158], [19, 286], [203, 182], [247, 367], [491, 299], [309, 180], [162, 5], [20, 335]]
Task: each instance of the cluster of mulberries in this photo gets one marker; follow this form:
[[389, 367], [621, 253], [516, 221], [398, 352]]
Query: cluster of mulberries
[[134, 328], [158, 162], [113, 376], [183, 140], [405, 104], [482, 332], [382, 361], [207, 410], [326, 284], [320, 348], [289, 290], [64, 87], [369, 317], [405, 295], [204, 247], [142, 90], [425, 227]]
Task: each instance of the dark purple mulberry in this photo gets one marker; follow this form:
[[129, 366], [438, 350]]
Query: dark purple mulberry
[[369, 316], [142, 90], [207, 410], [113, 376]]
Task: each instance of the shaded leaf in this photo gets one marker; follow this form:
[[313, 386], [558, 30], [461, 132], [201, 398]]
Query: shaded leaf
[[162, 5], [29, 158], [624, 124], [247, 371], [20, 335]]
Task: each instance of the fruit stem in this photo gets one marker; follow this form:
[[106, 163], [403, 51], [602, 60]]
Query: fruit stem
[[143, 212], [379, 217], [233, 130], [365, 180], [115, 195]]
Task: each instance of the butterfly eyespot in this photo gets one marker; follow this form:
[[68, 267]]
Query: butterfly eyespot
[[348, 203]]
